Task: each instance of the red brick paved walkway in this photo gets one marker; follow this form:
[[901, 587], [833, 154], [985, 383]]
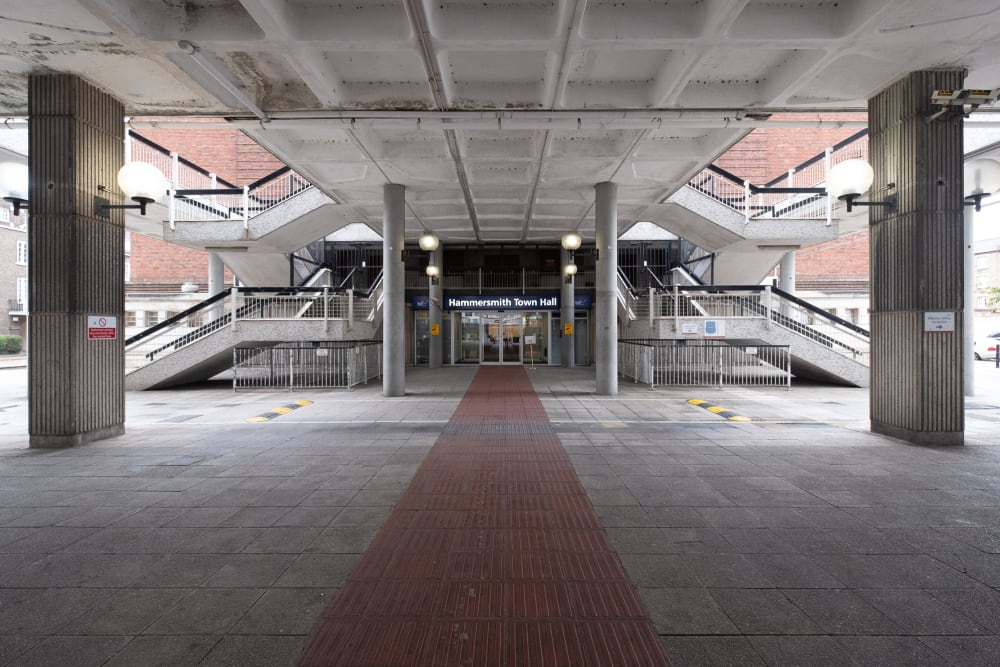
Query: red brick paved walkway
[[493, 556]]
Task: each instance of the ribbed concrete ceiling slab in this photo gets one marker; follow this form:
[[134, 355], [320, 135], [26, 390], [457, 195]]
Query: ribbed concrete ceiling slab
[[498, 116]]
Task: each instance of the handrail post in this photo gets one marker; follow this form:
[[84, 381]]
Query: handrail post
[[524, 280], [677, 307], [746, 202], [246, 207], [350, 307], [326, 309], [826, 177], [769, 295], [480, 269], [233, 292], [174, 183], [652, 294]]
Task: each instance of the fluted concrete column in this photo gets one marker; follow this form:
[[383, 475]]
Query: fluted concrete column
[[393, 306], [76, 277], [436, 347], [567, 312], [916, 264], [216, 283], [606, 308]]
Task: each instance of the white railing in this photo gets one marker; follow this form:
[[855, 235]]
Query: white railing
[[340, 364], [762, 303], [226, 308], [661, 363], [230, 203], [765, 203]]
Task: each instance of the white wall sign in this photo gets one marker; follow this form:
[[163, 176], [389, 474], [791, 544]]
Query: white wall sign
[[690, 328], [942, 322], [529, 340], [715, 328], [102, 327]]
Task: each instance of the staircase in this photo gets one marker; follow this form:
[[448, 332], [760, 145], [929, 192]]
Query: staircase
[[198, 343], [822, 346]]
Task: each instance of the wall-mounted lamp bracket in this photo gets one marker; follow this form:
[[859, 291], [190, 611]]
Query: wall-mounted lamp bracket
[[851, 201], [17, 203], [102, 206], [976, 200]]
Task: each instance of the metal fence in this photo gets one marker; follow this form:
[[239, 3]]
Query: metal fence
[[668, 363], [323, 364], [247, 303]]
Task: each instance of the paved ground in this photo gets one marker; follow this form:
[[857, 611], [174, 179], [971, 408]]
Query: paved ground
[[797, 538]]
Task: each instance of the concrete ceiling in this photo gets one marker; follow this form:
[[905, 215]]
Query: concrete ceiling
[[498, 117]]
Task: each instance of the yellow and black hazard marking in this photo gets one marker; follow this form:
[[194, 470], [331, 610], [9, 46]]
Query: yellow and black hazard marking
[[722, 412], [277, 412]]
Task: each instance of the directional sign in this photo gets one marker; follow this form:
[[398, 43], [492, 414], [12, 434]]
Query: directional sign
[[435, 329], [942, 322], [568, 329]]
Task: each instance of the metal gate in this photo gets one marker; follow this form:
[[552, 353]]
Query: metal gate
[[667, 363], [329, 364]]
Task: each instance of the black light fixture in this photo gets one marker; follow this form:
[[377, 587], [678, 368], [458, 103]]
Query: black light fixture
[[14, 185], [139, 181], [849, 179], [982, 178]]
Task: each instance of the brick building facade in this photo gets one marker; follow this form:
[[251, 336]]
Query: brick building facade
[[157, 266], [13, 272]]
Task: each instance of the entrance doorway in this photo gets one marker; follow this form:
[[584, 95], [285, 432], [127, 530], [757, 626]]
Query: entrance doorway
[[501, 338]]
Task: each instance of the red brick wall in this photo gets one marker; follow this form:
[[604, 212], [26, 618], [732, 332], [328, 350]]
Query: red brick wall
[[845, 258], [765, 154], [229, 154]]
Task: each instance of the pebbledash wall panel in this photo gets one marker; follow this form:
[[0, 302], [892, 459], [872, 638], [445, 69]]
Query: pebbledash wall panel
[[76, 383]]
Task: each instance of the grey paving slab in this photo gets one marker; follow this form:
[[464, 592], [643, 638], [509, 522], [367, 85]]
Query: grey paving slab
[[788, 521], [85, 651], [711, 652], [205, 611], [164, 651], [254, 651]]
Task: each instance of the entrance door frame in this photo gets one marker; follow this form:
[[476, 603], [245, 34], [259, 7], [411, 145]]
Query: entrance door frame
[[500, 319]]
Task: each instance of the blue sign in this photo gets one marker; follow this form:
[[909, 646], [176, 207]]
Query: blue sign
[[502, 302], [495, 302]]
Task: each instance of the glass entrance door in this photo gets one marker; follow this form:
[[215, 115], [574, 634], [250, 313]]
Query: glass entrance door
[[501, 338]]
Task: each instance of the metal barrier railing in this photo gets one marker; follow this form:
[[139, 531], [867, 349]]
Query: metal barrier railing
[[321, 364], [767, 303], [247, 303], [660, 363], [768, 201], [192, 194]]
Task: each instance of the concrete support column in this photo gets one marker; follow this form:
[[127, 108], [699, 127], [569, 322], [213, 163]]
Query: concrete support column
[[216, 283], [916, 264], [567, 312], [436, 300], [393, 306], [969, 300], [76, 380], [606, 308], [786, 271]]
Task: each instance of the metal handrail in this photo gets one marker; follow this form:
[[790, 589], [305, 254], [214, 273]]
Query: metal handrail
[[773, 200], [255, 197]]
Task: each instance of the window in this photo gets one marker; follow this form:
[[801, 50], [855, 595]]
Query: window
[[130, 319], [22, 292], [152, 317], [128, 270], [22, 253], [852, 315]]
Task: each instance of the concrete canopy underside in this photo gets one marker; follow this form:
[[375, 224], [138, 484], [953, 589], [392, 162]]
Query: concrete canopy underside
[[498, 118]]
